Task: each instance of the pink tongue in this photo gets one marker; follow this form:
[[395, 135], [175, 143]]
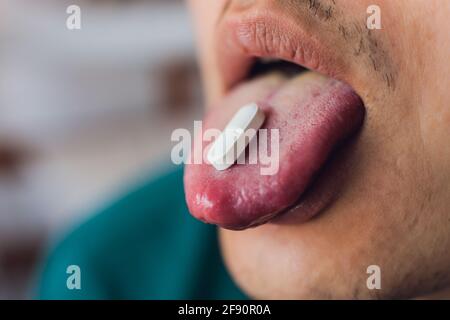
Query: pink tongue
[[313, 114]]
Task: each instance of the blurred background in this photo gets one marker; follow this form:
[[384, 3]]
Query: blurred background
[[84, 114]]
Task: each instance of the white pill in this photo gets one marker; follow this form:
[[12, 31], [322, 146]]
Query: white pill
[[233, 140]]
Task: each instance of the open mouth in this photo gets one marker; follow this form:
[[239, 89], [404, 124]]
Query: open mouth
[[271, 63], [264, 66]]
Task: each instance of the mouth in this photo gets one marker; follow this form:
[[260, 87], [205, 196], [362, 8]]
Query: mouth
[[300, 84]]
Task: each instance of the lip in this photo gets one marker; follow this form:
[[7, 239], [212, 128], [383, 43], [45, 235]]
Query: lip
[[244, 36]]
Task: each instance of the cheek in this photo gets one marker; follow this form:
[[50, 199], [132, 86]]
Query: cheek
[[205, 15]]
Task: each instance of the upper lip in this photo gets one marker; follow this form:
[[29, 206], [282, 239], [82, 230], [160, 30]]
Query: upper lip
[[255, 33]]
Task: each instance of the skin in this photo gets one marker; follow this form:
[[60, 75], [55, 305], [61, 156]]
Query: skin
[[393, 209]]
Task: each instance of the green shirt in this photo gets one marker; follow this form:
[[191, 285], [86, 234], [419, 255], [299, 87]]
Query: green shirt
[[145, 246]]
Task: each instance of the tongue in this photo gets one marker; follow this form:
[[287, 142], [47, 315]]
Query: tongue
[[313, 115]]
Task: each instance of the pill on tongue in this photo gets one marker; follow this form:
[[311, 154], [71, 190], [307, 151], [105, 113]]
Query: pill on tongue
[[238, 133], [313, 114]]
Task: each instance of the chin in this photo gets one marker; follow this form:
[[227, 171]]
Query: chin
[[319, 260]]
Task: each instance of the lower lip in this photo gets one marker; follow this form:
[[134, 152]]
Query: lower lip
[[320, 195], [313, 120]]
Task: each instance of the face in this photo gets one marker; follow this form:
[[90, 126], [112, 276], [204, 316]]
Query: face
[[370, 178]]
